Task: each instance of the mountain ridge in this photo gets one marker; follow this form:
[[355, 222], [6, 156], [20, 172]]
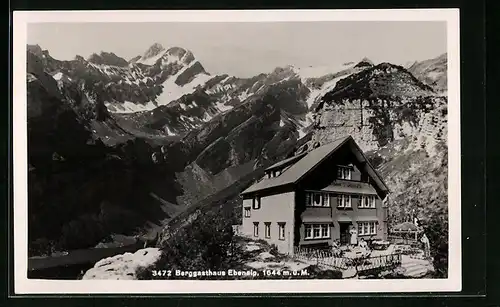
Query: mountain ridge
[[210, 132]]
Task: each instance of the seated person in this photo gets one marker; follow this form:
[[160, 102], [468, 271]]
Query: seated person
[[363, 244]]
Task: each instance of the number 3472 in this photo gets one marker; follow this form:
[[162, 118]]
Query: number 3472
[[161, 273]]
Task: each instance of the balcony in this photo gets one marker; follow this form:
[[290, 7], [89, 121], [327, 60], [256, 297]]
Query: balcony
[[317, 215]]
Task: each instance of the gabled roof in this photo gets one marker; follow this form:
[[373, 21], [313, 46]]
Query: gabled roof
[[309, 162], [286, 161]]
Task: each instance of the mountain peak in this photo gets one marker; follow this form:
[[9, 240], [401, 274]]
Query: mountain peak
[[35, 49], [180, 54], [365, 62], [107, 58], [382, 80], [79, 58], [152, 51]]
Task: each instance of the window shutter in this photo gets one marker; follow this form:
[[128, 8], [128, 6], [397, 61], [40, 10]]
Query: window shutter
[[308, 199]]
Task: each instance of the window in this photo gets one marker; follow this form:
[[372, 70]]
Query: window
[[256, 202], [343, 201], [317, 231], [326, 200], [267, 229], [275, 173], [256, 229], [367, 228], [308, 232], [247, 211], [281, 231], [318, 199], [344, 173], [325, 231], [367, 202]]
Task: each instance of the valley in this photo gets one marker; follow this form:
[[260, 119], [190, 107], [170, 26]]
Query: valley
[[151, 144]]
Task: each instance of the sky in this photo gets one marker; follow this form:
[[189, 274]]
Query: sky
[[247, 49]]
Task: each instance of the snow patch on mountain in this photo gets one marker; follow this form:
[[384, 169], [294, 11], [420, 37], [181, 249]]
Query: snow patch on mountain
[[434, 75], [318, 71], [172, 91], [222, 107], [58, 76], [153, 54], [243, 96], [301, 133], [129, 107], [325, 88], [207, 117], [169, 132]]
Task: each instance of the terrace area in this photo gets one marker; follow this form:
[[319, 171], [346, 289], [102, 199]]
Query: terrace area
[[401, 257]]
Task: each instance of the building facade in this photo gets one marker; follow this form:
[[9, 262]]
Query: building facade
[[326, 195]]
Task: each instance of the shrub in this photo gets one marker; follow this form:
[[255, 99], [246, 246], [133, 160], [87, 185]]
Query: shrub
[[274, 250], [437, 233], [40, 246], [85, 231], [317, 273], [204, 244]]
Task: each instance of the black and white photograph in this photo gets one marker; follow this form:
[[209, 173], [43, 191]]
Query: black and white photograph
[[237, 151]]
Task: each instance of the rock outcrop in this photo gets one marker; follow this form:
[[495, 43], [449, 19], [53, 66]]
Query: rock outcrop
[[123, 267], [401, 124]]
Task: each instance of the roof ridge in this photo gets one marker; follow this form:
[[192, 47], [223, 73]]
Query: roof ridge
[[298, 169]]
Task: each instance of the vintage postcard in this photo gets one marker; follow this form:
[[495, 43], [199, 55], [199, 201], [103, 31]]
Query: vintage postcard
[[237, 151]]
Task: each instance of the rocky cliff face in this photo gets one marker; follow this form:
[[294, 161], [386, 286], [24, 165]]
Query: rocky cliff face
[[377, 106], [401, 123]]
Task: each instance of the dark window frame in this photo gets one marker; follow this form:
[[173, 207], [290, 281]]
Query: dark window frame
[[256, 229], [249, 210], [256, 202], [281, 225], [319, 227], [267, 226]]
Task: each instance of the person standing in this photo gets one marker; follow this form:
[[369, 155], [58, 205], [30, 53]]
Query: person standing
[[354, 235], [427, 245]]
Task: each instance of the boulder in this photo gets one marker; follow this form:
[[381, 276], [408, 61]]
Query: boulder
[[123, 266]]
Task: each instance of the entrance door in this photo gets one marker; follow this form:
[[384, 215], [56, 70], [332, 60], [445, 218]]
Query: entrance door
[[345, 236]]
